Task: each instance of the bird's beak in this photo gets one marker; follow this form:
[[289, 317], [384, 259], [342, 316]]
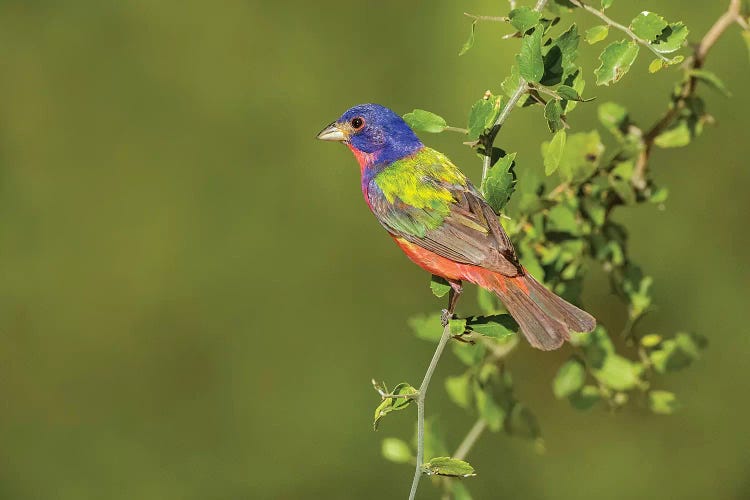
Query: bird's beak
[[333, 133]]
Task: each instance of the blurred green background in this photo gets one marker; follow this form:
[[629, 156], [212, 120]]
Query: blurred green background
[[194, 297]]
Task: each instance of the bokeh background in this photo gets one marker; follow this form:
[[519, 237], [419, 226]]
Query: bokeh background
[[194, 297]]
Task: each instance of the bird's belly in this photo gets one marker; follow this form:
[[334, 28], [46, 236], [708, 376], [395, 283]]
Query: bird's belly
[[446, 268]]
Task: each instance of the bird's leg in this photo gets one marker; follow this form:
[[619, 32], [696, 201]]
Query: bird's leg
[[453, 295]]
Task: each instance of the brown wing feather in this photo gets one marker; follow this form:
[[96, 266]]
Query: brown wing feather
[[471, 234]]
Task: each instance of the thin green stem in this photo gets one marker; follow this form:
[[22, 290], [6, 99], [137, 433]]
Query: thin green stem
[[471, 437], [497, 19], [614, 24], [420, 408], [457, 129], [514, 98]]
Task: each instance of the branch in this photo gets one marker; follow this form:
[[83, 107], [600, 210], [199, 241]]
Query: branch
[[601, 15], [471, 437], [499, 19], [729, 17], [489, 139], [421, 399]]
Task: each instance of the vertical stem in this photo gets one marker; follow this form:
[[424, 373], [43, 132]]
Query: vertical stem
[[420, 408], [471, 438]]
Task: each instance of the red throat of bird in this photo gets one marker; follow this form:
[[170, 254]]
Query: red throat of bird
[[365, 160]]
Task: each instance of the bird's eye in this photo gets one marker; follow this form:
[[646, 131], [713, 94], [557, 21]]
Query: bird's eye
[[357, 123]]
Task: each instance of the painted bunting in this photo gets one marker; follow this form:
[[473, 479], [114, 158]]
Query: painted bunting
[[444, 225]]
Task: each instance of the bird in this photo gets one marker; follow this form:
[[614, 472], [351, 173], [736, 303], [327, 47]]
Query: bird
[[444, 225]]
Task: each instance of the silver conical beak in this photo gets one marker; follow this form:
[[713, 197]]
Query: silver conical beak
[[333, 133]]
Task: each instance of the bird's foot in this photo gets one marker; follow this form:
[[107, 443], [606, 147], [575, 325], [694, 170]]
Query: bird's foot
[[445, 317]]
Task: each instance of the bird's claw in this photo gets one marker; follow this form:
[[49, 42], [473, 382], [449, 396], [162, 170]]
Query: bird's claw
[[445, 317]]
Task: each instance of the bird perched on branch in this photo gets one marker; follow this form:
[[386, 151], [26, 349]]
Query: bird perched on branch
[[444, 225]]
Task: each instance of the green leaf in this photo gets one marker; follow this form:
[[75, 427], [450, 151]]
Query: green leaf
[[616, 60], [570, 94], [499, 326], [711, 80], [675, 136], [511, 82], [580, 157], [587, 397], [427, 327], [562, 219], [553, 113], [620, 178], [569, 379], [439, 286], [553, 152], [396, 450], [606, 4], [671, 38], [659, 195], [567, 42], [457, 326], [524, 18], [468, 354], [469, 43], [618, 373], [459, 390], [487, 301], [523, 423], [648, 25], [500, 182], [393, 404], [530, 63], [655, 65], [488, 409], [675, 354], [447, 466], [482, 115], [596, 34], [425, 121], [612, 115], [663, 402], [651, 340]]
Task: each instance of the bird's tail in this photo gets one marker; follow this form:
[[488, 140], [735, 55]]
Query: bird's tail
[[545, 319]]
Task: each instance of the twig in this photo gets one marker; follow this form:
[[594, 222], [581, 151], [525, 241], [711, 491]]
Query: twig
[[471, 437], [498, 19], [514, 98], [601, 15], [729, 17], [420, 406]]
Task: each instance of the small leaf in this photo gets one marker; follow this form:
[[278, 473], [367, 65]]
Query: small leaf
[[655, 65], [500, 182], [499, 326], [553, 152], [447, 466], [711, 80], [651, 340], [659, 195], [469, 43], [616, 61], [457, 326], [523, 423], [524, 18], [468, 354], [612, 115], [570, 94], [553, 113], [596, 34], [569, 379], [618, 372], [580, 157], [662, 402], [492, 413], [675, 136], [425, 121], [648, 25], [394, 404], [606, 4], [530, 62], [439, 286], [482, 112], [396, 450], [671, 38], [427, 327], [587, 397], [459, 390]]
